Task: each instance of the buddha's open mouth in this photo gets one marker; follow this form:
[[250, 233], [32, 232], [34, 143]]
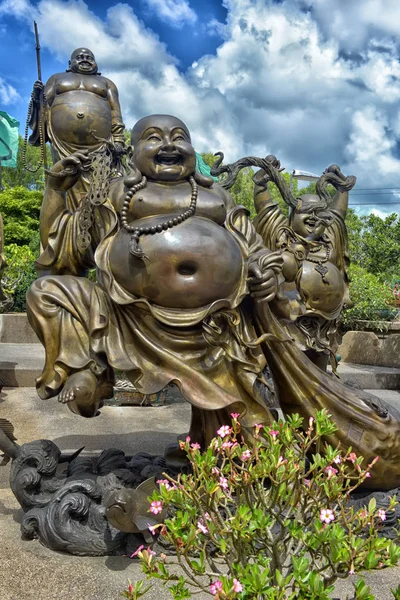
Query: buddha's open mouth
[[311, 223], [168, 159]]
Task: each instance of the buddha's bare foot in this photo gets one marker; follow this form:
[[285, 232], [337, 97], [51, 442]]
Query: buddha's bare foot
[[84, 394]]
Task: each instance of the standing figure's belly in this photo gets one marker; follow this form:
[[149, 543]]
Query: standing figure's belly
[[76, 113], [188, 266], [324, 297]]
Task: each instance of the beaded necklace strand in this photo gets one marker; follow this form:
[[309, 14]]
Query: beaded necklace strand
[[138, 232]]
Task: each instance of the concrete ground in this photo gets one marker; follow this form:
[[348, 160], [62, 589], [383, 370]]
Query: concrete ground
[[28, 571]]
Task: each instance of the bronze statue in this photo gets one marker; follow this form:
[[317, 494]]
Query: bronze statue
[[184, 291], [177, 264], [314, 246], [77, 110], [188, 293]]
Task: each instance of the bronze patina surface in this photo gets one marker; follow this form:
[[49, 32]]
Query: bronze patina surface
[[179, 312], [186, 294], [314, 245], [77, 110], [189, 292]]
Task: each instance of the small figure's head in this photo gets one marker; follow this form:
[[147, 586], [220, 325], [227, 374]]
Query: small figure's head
[[310, 218], [83, 61], [162, 149]]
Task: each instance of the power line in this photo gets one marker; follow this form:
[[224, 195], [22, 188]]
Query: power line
[[372, 203], [376, 194]]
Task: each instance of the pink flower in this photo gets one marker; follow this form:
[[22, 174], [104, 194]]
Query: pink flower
[[352, 457], [202, 527], [226, 445], [156, 507], [257, 428], [281, 461], [216, 587], [310, 426], [326, 515], [245, 455], [235, 415], [130, 588], [167, 484], [187, 439], [382, 514], [330, 471], [207, 516], [224, 431], [215, 471], [367, 474], [307, 482], [337, 460], [237, 586], [153, 529], [195, 446], [223, 482], [137, 552], [274, 434]]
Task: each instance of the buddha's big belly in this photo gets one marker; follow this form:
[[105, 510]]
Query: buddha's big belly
[[320, 296], [188, 266], [76, 113]]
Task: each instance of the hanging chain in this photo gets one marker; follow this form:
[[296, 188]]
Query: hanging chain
[[96, 196], [41, 134]]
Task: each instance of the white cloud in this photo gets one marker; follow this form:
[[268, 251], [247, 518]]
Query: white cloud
[[173, 12], [284, 80], [18, 8], [8, 94], [354, 23]]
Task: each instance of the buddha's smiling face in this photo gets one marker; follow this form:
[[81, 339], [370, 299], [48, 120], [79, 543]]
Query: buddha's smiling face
[[162, 148], [309, 219], [83, 61]]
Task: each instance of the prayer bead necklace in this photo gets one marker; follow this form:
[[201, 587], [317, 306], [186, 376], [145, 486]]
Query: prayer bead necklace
[[138, 232]]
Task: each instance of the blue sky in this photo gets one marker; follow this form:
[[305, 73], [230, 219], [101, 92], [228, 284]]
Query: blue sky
[[313, 81]]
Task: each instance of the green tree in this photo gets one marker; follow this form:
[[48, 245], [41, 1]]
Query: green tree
[[20, 209], [19, 175], [380, 246], [370, 296]]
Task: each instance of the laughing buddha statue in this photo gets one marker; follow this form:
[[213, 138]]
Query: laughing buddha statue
[[185, 294], [314, 246], [178, 264]]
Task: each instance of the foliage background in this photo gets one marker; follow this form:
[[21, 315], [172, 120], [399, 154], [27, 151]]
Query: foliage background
[[374, 241]]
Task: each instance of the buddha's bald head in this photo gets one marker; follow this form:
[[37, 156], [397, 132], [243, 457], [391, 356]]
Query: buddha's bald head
[[159, 121], [83, 61], [162, 149]]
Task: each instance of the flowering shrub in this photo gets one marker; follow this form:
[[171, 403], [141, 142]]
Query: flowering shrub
[[396, 293], [269, 519]]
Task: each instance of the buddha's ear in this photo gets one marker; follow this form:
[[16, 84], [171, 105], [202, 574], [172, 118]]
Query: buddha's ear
[[134, 175], [203, 180]]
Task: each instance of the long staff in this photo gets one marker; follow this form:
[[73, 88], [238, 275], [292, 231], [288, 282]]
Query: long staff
[[39, 70]]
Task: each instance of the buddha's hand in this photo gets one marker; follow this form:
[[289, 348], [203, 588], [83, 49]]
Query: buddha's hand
[[38, 89], [264, 270], [269, 173], [66, 172], [261, 179]]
